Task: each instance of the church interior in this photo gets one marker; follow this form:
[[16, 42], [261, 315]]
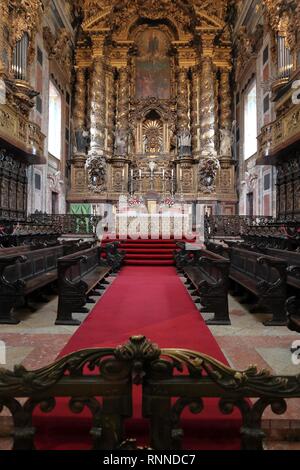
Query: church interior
[[149, 225]]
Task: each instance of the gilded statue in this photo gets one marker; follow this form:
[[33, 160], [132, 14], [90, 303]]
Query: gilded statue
[[185, 143]]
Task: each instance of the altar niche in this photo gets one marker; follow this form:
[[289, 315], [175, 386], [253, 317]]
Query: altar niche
[[153, 67]]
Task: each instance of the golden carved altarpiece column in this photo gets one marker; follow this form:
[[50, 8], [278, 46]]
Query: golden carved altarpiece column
[[158, 101]]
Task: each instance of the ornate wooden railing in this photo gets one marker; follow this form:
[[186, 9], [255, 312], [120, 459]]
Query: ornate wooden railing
[[277, 135], [67, 223], [232, 225], [25, 135], [101, 381]]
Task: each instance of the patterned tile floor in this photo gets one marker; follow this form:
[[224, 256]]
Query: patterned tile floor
[[35, 342]]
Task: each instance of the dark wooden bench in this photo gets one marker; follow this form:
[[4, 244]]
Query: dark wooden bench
[[23, 274], [208, 274], [292, 260], [293, 303], [218, 248], [79, 275], [265, 277], [293, 313], [113, 256], [182, 255]]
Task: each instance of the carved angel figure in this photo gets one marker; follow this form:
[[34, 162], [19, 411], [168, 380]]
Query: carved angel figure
[[120, 142], [226, 142], [184, 142]]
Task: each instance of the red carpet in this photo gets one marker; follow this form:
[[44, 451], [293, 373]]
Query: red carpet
[[151, 301]]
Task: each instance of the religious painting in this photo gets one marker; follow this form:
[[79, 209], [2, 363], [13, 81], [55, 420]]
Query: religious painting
[[153, 65]]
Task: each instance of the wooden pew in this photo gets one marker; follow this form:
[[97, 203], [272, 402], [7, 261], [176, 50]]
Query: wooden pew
[[26, 269], [79, 274], [23, 274], [208, 274], [265, 277]]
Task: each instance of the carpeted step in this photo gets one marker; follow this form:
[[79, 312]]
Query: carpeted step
[[148, 252], [147, 248], [137, 251], [149, 256], [143, 262]]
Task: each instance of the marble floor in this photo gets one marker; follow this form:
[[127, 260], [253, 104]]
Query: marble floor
[[36, 341]]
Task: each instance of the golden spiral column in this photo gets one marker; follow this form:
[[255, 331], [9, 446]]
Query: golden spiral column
[[226, 137], [123, 101], [80, 99], [195, 118], [98, 103], [111, 108], [207, 106], [183, 100], [96, 163], [225, 114]]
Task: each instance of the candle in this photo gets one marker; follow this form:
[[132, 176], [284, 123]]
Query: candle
[[131, 172], [163, 174], [140, 174]]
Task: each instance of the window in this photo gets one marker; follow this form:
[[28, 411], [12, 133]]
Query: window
[[266, 55], [266, 104], [54, 203], [39, 104], [37, 181], [39, 56], [250, 122], [250, 205], [267, 181], [54, 131]]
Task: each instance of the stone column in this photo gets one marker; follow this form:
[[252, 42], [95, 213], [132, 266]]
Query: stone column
[[207, 106], [4, 53]]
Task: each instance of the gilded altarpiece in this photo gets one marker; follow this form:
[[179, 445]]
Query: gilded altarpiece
[[153, 102]]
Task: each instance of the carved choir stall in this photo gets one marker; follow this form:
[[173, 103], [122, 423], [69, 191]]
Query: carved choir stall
[[153, 102]]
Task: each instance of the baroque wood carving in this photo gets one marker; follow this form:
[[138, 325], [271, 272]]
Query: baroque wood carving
[[156, 70]]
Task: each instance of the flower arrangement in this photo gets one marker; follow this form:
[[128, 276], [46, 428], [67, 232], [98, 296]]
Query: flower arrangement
[[135, 201], [168, 201]]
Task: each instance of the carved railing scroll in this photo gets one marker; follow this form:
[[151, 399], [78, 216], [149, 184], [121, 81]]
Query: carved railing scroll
[[101, 381]]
